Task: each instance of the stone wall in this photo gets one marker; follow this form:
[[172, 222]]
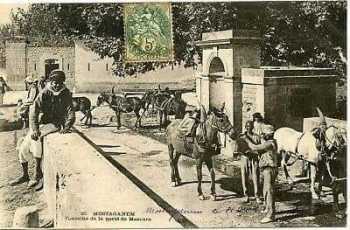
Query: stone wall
[[65, 59], [284, 96], [22, 61], [92, 70], [15, 65]]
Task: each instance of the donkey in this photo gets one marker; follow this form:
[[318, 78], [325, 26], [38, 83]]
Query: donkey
[[122, 105], [83, 104], [204, 146], [168, 105]]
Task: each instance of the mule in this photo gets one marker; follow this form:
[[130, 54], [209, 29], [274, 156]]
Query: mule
[[204, 146], [304, 145], [166, 105], [83, 104], [172, 106], [123, 105]]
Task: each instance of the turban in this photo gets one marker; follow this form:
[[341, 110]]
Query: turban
[[57, 75], [268, 129], [257, 115]]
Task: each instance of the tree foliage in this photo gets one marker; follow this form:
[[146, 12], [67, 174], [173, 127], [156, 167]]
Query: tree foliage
[[310, 33]]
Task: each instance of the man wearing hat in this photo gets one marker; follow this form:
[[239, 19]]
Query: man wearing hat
[[55, 104], [268, 165], [258, 124], [33, 89]]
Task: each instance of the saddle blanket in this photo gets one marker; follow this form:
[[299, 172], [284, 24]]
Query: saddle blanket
[[185, 127]]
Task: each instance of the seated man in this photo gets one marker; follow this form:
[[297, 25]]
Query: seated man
[[55, 104]]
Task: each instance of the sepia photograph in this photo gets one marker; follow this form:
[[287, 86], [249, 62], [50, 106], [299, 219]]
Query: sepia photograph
[[171, 114]]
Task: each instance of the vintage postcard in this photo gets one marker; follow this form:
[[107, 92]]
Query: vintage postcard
[[173, 115]]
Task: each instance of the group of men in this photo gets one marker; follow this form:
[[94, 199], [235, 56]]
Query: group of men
[[50, 110], [259, 155]]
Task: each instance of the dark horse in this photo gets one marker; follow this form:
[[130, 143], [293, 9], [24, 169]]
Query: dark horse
[[166, 105], [123, 105], [204, 146], [83, 104]]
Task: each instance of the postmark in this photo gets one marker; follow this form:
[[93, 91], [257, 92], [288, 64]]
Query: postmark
[[148, 32]]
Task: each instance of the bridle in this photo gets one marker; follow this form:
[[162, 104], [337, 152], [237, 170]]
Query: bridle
[[215, 125], [335, 143]]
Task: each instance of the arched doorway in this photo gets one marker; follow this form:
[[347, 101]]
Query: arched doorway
[[216, 83], [50, 64]]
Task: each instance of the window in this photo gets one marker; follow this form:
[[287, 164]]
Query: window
[[35, 66], [300, 102], [106, 66], [68, 66], [88, 66]]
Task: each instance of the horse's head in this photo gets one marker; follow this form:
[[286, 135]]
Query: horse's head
[[335, 141], [219, 120], [103, 97]]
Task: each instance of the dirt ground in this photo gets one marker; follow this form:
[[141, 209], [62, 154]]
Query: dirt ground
[[12, 198]]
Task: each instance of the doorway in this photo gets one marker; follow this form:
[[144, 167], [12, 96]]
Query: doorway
[[50, 64]]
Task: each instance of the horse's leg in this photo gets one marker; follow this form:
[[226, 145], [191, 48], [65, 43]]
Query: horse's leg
[[313, 181], [172, 167], [335, 193], [177, 174], [137, 118], [160, 113], [199, 162], [90, 117], [117, 113], [165, 118], [284, 166], [209, 163], [85, 117]]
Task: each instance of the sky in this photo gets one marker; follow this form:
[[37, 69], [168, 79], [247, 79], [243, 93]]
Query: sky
[[5, 10]]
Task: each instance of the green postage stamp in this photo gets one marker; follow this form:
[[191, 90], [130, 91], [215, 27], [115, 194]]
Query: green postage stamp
[[148, 32]]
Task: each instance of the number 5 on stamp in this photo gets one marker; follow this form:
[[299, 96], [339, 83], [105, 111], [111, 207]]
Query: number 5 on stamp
[[148, 32]]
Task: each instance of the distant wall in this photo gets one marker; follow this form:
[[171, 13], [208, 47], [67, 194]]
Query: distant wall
[[93, 73], [24, 60], [15, 65], [64, 56]]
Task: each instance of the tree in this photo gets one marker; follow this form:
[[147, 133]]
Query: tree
[[310, 33]]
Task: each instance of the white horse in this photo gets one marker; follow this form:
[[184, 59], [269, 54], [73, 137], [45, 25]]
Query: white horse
[[304, 146]]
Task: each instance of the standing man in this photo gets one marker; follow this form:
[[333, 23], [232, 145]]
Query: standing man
[[268, 166], [3, 88], [250, 163], [33, 90], [55, 104], [42, 83]]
